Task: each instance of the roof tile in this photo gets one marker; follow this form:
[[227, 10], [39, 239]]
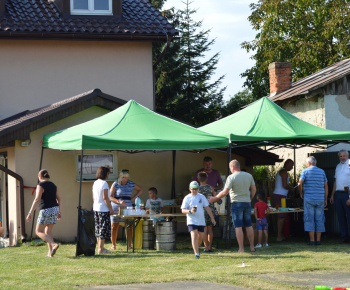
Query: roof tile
[[318, 79], [39, 17]]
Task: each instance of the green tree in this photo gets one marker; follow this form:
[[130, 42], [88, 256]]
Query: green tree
[[239, 100], [158, 3], [183, 88], [311, 34]]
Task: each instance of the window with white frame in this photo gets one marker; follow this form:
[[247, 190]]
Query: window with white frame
[[92, 161], [93, 7]]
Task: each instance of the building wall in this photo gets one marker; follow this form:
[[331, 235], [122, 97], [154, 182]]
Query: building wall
[[35, 73], [13, 200], [25, 161], [146, 169], [310, 110], [337, 117]]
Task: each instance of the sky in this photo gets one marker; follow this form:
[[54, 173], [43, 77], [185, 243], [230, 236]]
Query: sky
[[228, 21]]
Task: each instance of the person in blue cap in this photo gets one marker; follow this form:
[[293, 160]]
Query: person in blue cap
[[193, 206]]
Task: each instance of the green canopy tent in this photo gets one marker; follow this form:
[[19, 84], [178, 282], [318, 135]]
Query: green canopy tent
[[263, 123], [132, 128]]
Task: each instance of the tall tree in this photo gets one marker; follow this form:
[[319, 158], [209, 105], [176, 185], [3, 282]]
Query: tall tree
[[311, 34], [183, 86], [158, 3], [237, 102]]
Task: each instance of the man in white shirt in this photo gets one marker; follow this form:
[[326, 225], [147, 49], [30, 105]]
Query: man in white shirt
[[340, 194]]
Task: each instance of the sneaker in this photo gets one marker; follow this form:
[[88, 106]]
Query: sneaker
[[258, 246], [311, 243], [205, 250], [318, 243], [196, 256], [266, 245]]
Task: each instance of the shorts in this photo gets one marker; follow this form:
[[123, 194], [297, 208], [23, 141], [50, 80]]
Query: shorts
[[48, 215], [241, 214], [314, 216], [102, 225], [194, 227], [261, 225], [277, 201]]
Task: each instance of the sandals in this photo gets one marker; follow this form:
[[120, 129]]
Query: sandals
[[54, 249], [104, 251]]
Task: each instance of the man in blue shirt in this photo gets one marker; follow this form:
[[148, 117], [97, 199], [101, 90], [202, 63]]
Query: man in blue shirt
[[313, 188]]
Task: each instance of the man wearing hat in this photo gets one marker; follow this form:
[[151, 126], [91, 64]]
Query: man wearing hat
[[193, 206]]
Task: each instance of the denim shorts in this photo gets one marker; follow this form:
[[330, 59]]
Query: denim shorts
[[314, 216], [241, 214], [194, 227], [261, 225]]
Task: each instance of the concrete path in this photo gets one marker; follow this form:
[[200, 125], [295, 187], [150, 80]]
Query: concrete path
[[310, 279], [306, 280]]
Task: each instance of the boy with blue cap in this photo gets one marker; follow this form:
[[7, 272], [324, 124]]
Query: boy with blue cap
[[193, 206]]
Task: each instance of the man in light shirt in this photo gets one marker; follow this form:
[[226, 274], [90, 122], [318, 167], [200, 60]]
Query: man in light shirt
[[241, 187], [313, 188], [340, 194]]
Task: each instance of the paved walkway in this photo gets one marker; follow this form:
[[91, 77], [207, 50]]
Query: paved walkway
[[310, 279], [305, 279]]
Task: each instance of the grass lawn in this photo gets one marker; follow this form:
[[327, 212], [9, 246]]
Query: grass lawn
[[27, 267]]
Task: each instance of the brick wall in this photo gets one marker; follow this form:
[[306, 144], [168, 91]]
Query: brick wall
[[280, 77]]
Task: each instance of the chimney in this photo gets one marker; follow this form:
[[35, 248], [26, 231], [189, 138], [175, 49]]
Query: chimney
[[279, 75], [117, 8]]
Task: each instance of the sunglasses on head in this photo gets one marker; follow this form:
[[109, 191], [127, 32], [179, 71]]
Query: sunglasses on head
[[125, 171]]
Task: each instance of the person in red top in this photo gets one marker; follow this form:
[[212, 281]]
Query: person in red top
[[261, 210]]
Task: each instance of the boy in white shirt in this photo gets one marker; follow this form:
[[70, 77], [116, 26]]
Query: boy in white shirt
[[154, 205], [193, 206]]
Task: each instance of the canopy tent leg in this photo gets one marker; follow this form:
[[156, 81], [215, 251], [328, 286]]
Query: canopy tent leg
[[40, 165], [173, 195], [228, 202], [295, 170], [79, 207]]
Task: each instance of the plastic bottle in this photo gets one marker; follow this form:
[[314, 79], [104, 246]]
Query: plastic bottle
[[322, 288], [283, 202], [269, 201], [138, 203]]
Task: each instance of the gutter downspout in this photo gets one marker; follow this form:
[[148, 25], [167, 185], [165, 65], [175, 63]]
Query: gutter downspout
[[21, 198]]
